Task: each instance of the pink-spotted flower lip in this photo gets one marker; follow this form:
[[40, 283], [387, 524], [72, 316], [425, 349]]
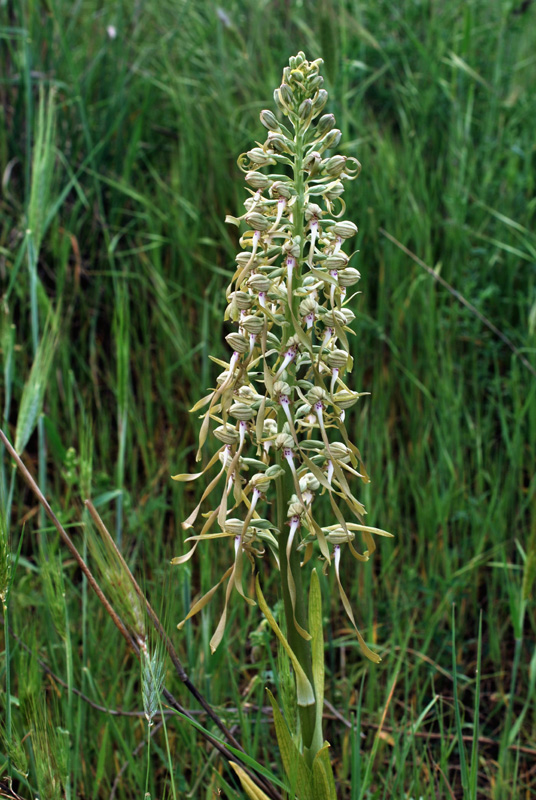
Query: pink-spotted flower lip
[[291, 266], [328, 335], [289, 355], [316, 397], [295, 523], [284, 441]]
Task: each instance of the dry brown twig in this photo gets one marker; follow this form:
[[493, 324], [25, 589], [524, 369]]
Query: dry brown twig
[[118, 622]]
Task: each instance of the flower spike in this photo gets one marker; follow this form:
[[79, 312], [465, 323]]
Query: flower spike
[[278, 407]]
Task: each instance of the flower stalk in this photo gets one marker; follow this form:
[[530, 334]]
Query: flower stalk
[[279, 405]]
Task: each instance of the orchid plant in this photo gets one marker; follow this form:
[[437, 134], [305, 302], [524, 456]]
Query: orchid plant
[[277, 413]]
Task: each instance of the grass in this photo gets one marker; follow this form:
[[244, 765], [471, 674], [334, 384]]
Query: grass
[[117, 297]]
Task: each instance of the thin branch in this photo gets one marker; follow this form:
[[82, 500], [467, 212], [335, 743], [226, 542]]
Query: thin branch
[[422, 734], [447, 784], [68, 542], [160, 629], [171, 700], [114, 712], [7, 792]]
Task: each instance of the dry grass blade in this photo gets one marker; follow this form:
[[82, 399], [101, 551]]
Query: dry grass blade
[[110, 543], [7, 792], [114, 616]]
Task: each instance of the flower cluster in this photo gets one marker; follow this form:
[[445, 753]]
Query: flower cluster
[[278, 410]]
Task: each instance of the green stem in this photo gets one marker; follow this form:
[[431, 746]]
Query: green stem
[[7, 653], [7, 641], [148, 771], [285, 489], [33, 254], [70, 721], [300, 647]]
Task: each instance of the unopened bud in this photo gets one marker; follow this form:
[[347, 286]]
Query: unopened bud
[[260, 482], [226, 434], [337, 359], [296, 78], [279, 143], [275, 471], [269, 121], [337, 261], [345, 399], [331, 139], [338, 535], [320, 101], [335, 165], [258, 180], [257, 156], [259, 283], [349, 276], [284, 93], [232, 312], [305, 109], [237, 342], [325, 124], [253, 324], [315, 83], [258, 221], [280, 189], [311, 163], [332, 191], [348, 315], [345, 229], [241, 412]]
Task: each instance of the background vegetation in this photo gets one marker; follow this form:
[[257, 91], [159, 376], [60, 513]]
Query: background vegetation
[[120, 125]]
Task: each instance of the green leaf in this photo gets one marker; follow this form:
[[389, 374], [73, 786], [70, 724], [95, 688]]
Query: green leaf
[[54, 440], [304, 691], [323, 781], [31, 403], [43, 163], [294, 763]]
